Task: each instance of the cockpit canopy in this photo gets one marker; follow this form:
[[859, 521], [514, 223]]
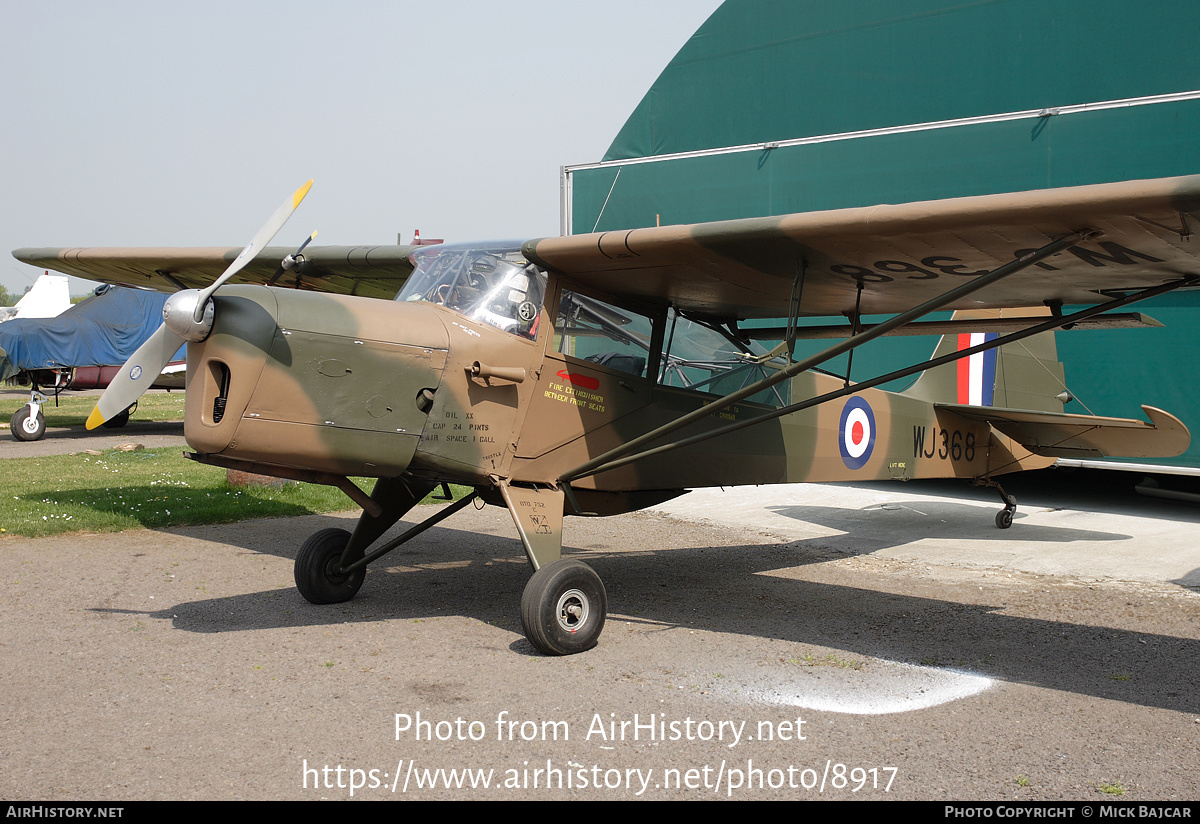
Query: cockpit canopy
[[491, 283]]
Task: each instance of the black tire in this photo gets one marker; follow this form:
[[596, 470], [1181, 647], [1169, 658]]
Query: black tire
[[563, 608], [117, 421], [315, 565], [26, 427], [1004, 518]]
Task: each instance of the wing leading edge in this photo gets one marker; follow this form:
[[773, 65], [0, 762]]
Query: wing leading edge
[[899, 255], [369, 271]]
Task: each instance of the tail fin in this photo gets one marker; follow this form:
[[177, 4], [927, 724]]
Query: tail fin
[[1021, 375]]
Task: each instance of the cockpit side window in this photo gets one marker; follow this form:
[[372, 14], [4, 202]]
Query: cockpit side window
[[593, 330], [701, 358], [492, 284]]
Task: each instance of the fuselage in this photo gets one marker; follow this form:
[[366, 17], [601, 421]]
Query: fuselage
[[486, 367]]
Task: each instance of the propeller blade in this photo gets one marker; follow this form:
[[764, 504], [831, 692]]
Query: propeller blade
[[136, 375], [307, 241], [290, 261], [152, 356], [255, 246]]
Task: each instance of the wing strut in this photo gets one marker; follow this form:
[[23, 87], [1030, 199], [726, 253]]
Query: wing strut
[[796, 368], [1049, 325]]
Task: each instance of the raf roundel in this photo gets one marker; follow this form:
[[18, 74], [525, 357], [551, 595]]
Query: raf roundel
[[856, 433]]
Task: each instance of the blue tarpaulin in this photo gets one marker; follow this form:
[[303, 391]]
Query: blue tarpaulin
[[104, 330]]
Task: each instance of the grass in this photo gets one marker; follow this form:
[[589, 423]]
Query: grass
[[73, 410], [153, 488]]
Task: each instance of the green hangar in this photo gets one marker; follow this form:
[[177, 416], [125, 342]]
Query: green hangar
[[778, 106]]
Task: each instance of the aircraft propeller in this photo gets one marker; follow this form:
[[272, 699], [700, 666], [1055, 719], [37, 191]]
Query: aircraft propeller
[[187, 316], [291, 261]]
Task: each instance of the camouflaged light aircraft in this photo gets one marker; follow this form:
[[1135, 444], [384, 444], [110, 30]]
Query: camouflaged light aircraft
[[599, 374]]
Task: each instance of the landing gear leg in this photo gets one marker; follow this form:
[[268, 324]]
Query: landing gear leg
[[564, 604], [327, 566]]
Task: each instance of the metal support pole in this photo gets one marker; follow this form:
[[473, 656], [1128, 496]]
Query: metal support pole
[[411, 533]]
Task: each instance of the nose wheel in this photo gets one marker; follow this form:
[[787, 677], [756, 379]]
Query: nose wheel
[[563, 608]]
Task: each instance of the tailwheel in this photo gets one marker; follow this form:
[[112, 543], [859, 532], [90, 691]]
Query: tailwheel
[[563, 608], [27, 426], [1004, 517], [317, 564]]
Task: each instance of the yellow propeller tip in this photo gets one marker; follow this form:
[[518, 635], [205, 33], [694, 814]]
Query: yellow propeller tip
[[95, 419], [300, 193]]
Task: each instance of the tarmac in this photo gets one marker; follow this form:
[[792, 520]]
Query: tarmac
[[1088, 524]]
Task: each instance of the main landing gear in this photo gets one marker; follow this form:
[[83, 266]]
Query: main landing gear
[[563, 606], [29, 422]]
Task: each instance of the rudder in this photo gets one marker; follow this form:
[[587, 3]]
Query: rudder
[[1022, 375]]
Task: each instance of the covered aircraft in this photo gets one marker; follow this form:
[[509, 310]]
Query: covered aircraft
[[49, 297], [81, 348]]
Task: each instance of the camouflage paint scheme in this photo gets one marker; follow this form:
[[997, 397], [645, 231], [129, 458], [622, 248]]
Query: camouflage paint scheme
[[416, 393], [369, 271]]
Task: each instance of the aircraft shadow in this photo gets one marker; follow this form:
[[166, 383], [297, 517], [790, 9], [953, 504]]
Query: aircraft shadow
[[129, 431], [728, 589], [884, 526], [1089, 490]]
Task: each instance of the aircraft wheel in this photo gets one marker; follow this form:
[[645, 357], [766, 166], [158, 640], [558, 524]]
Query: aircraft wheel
[[117, 421], [26, 427], [1004, 518], [563, 608], [316, 565]]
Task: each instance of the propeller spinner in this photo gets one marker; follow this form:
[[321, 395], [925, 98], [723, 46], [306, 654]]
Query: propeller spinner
[[187, 316]]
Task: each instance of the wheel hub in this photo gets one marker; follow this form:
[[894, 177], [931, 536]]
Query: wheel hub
[[572, 610], [333, 572]]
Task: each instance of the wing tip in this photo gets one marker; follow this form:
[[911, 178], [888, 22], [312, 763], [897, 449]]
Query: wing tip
[[1174, 431]]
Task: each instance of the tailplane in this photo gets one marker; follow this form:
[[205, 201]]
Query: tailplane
[[1020, 390]]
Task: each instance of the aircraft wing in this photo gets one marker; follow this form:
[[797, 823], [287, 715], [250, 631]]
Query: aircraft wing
[[369, 271], [902, 255], [1061, 435]]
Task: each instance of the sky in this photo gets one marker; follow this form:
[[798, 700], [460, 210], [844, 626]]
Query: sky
[[187, 124]]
